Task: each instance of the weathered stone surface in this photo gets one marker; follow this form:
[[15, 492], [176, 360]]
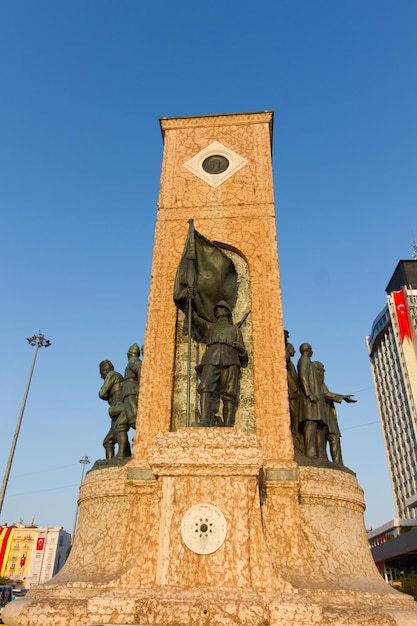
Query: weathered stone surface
[[295, 552], [239, 215]]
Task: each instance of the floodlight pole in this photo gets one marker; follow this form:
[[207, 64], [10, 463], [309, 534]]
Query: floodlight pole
[[84, 460], [40, 342]]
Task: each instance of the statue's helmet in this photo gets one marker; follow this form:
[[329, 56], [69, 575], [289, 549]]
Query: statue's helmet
[[134, 350], [224, 305]]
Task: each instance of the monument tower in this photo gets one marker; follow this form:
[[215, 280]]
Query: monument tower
[[214, 520]]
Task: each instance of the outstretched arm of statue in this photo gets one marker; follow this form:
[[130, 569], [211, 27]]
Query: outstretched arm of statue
[[349, 398]]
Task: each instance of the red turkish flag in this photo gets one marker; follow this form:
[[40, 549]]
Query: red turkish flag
[[402, 315], [40, 543], [22, 560]]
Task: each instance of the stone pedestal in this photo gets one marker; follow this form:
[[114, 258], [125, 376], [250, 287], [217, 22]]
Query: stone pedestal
[[217, 526], [299, 558]]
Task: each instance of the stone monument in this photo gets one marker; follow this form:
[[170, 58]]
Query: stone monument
[[217, 525]]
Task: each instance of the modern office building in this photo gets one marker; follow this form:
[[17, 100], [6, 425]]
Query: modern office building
[[392, 347]]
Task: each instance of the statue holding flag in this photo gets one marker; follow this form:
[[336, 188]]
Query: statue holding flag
[[205, 287], [220, 366]]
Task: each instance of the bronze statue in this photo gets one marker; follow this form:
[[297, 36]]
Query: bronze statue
[[122, 396], [112, 391], [312, 411], [127, 418], [293, 394], [206, 276], [131, 384], [219, 369], [332, 432]]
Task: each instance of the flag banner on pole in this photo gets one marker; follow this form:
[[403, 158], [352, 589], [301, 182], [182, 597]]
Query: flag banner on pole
[[5, 540], [208, 271], [402, 314]]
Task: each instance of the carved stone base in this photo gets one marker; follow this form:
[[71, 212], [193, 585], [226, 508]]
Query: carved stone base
[[294, 551], [167, 607]]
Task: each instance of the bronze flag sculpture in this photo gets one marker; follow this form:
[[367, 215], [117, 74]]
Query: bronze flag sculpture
[[205, 287]]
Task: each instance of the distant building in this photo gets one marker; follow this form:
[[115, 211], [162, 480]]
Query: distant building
[[394, 549], [392, 347], [30, 554]]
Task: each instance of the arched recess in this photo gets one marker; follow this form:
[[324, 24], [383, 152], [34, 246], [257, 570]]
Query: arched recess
[[245, 416]]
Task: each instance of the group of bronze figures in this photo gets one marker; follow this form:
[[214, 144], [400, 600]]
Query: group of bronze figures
[[121, 392], [205, 285], [312, 410], [313, 415]]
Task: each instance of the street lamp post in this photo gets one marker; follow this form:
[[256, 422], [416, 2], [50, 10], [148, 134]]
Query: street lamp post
[[40, 342], [84, 460]]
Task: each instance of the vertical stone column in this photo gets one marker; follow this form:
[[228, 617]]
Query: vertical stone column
[[238, 214]]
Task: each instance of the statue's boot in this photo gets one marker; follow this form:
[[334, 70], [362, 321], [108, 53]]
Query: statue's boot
[[229, 413], [205, 406], [124, 445], [109, 452]]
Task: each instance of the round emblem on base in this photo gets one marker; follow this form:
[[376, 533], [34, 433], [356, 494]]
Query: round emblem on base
[[203, 528]]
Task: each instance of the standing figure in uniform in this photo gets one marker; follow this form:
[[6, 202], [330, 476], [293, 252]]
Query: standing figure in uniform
[[112, 391], [127, 418], [131, 384], [219, 369]]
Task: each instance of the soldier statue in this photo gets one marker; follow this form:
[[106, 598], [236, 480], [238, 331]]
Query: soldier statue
[[219, 368], [122, 395], [112, 391]]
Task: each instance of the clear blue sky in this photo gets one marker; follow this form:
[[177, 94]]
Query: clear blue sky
[[82, 85]]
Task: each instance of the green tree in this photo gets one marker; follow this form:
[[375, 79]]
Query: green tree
[[409, 585]]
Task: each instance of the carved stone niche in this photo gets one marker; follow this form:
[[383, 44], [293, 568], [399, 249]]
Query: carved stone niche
[[245, 417]]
